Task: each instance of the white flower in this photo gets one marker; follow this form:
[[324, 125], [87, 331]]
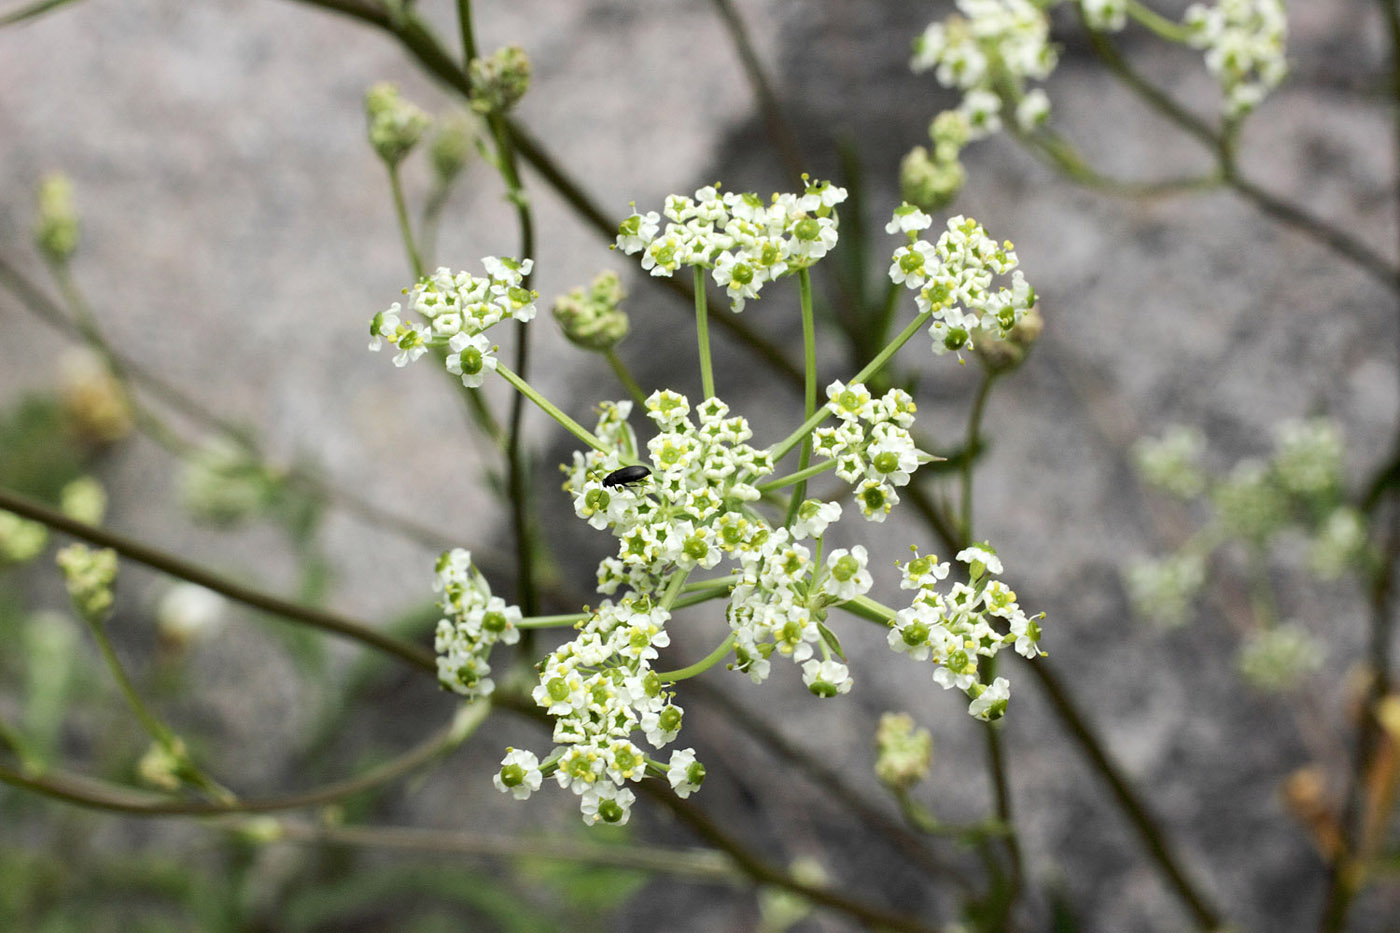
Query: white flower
[[519, 774], [826, 678], [990, 704], [685, 773], [980, 554], [848, 576], [813, 517], [470, 357]]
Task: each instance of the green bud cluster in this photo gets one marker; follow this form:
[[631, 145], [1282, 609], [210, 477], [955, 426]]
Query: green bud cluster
[[591, 319]]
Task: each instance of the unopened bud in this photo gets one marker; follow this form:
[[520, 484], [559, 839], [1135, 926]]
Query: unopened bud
[[56, 229], [395, 125], [499, 80], [592, 319]]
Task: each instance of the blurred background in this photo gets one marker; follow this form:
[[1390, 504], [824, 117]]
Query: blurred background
[[238, 234]]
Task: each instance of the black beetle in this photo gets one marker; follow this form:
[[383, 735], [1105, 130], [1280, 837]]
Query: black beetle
[[627, 476]]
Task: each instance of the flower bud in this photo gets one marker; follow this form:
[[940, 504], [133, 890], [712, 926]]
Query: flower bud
[[499, 80], [84, 499], [89, 576], [20, 539], [93, 398], [928, 183], [395, 125], [452, 145], [592, 319], [904, 753], [1003, 354], [56, 228]]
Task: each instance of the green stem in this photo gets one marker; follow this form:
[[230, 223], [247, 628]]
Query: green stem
[[1168, 29], [625, 377], [869, 609], [809, 356], [569, 424], [167, 563], [699, 667], [974, 429], [464, 24], [405, 225], [572, 618], [673, 589], [874, 366], [780, 134], [156, 729], [798, 477], [702, 328], [103, 795]]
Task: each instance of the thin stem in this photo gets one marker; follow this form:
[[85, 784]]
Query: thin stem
[[176, 567], [464, 24], [1206, 915], [699, 865], [797, 477], [809, 401], [702, 334], [103, 795], [673, 589], [974, 430], [699, 667], [779, 132], [1286, 212], [405, 225], [156, 729], [624, 376], [1168, 29], [37, 8], [569, 424], [870, 369], [572, 618]]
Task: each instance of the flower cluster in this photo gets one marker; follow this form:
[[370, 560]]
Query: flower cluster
[[1244, 43], [931, 178], [953, 280], [475, 621], [743, 242], [973, 619], [601, 691], [879, 457], [1298, 488], [89, 576], [1274, 660], [989, 53], [1171, 463], [692, 509], [591, 318], [458, 308]]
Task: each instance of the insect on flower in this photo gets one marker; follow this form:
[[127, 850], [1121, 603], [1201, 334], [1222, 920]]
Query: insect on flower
[[627, 476]]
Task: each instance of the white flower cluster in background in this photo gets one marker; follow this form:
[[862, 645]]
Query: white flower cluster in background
[[972, 620], [457, 309], [1260, 503], [1244, 43], [953, 279], [744, 242], [475, 621], [989, 52]]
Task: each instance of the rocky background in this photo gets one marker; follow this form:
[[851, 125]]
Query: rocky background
[[238, 234]]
